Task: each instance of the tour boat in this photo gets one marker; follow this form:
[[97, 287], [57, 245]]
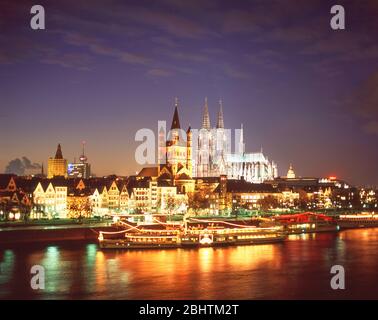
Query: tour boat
[[307, 222], [362, 220], [135, 237]]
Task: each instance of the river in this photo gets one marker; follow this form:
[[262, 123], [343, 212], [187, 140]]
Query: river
[[299, 268]]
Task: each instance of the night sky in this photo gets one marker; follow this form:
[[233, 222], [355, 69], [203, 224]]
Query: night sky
[[104, 69]]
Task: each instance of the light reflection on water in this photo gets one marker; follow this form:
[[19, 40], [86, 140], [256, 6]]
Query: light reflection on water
[[298, 268]]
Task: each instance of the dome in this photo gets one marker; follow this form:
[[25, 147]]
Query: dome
[[290, 173]]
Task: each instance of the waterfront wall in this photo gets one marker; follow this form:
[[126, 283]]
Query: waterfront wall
[[51, 235]]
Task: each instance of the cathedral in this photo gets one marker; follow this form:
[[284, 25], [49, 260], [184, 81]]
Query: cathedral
[[213, 156]]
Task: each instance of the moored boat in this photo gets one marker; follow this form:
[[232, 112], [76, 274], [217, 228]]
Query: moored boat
[[306, 222], [362, 220], [140, 238]]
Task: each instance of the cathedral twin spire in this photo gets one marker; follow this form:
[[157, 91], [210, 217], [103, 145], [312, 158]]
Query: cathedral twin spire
[[220, 123], [206, 118]]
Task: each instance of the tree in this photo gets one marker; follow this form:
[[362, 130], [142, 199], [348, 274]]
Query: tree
[[170, 204], [79, 208], [198, 201], [268, 202]]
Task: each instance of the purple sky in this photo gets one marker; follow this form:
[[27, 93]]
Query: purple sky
[[104, 69]]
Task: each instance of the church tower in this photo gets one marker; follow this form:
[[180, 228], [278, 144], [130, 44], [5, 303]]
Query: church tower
[[220, 145], [57, 166], [176, 147], [241, 141], [205, 145], [189, 150]]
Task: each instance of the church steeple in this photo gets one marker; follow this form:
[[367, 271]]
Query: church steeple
[[241, 141], [220, 122], [206, 117], [175, 120], [59, 154]]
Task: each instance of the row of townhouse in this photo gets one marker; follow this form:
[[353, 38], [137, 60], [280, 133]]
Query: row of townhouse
[[13, 202], [73, 198]]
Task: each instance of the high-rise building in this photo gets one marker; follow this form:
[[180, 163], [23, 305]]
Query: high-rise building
[[57, 166], [80, 169]]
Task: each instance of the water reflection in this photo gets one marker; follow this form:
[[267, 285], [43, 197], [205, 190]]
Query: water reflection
[[6, 267], [298, 268]]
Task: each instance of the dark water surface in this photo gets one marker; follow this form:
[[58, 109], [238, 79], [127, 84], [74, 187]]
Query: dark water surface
[[296, 269]]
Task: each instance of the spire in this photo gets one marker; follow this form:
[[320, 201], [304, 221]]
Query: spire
[[220, 123], [83, 157], [206, 117], [241, 141], [175, 120], [58, 154], [42, 170]]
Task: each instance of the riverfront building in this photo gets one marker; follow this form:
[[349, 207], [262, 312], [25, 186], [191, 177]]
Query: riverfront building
[[57, 166]]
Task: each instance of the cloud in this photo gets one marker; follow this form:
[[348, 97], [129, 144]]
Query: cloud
[[186, 56], [157, 72], [169, 22], [19, 166], [371, 127], [364, 103], [235, 72], [165, 41], [76, 60], [96, 46], [268, 59]]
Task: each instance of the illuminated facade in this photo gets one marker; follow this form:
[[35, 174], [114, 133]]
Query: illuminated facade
[[290, 173], [80, 169], [175, 157], [214, 157], [57, 166], [50, 199]]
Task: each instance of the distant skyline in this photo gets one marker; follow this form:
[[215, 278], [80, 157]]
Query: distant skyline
[[104, 69]]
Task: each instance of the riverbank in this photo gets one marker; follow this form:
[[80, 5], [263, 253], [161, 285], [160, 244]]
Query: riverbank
[[51, 233]]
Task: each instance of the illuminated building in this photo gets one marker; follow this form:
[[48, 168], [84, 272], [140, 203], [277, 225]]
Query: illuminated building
[[79, 202], [14, 201], [214, 158], [80, 169], [177, 167], [57, 166], [175, 159], [50, 199], [290, 173], [148, 195]]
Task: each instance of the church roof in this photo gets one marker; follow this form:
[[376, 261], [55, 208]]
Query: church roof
[[242, 186], [27, 185], [148, 172], [175, 120], [184, 176], [59, 154], [165, 176], [4, 180]]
